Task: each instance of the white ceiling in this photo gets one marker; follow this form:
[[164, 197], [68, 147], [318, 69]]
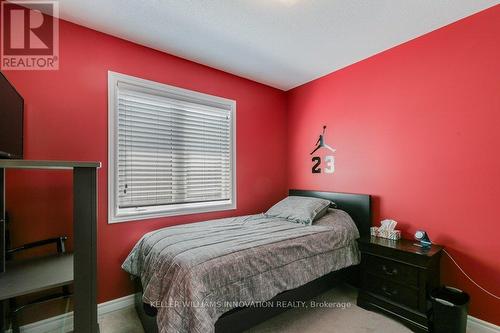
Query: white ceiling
[[281, 43]]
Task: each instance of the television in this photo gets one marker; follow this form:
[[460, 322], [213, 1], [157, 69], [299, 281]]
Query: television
[[11, 120]]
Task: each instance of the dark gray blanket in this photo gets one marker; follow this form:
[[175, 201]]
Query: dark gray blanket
[[196, 272]]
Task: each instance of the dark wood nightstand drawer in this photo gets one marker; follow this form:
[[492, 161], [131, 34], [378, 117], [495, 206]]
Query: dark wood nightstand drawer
[[391, 290], [391, 270]]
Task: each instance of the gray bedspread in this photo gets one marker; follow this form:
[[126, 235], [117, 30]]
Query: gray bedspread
[[196, 272]]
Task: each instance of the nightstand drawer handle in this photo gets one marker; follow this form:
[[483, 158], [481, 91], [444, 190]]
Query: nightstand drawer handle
[[389, 292], [394, 271]]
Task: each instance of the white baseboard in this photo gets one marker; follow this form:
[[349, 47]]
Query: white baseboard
[[64, 323], [475, 325], [115, 305]]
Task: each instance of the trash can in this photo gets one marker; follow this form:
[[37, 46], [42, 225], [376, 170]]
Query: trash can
[[449, 310]]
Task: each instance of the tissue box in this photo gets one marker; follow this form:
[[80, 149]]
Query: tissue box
[[393, 234]]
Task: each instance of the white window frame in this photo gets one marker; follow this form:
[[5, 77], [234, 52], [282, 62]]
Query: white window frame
[[133, 214]]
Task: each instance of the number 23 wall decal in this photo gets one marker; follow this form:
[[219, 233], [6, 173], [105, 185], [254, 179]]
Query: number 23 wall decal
[[329, 160]]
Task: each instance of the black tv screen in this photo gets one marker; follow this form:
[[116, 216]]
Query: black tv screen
[[11, 120]]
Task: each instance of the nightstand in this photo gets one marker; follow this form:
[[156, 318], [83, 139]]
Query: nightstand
[[396, 279]]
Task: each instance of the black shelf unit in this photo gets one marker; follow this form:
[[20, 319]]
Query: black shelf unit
[[84, 257]]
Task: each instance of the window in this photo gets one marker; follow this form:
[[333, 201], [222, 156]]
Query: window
[[171, 150]]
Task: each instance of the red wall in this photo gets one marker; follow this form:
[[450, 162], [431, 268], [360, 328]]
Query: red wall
[[66, 119], [418, 127]]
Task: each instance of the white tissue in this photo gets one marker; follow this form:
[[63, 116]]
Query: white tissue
[[388, 225], [386, 230]]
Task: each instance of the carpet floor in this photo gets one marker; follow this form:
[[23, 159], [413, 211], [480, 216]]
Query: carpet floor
[[332, 312]]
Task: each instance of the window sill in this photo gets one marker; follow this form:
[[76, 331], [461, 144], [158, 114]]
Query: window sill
[[131, 215]]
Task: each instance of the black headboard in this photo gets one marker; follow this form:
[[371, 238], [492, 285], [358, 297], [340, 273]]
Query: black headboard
[[356, 205]]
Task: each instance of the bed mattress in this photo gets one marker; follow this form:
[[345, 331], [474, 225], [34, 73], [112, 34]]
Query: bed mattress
[[196, 272]]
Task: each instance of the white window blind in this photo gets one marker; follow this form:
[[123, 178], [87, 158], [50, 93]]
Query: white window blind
[[173, 152]]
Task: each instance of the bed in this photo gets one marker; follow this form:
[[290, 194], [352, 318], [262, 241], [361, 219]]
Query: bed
[[227, 275]]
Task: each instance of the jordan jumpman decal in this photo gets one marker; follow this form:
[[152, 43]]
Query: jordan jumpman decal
[[321, 142]]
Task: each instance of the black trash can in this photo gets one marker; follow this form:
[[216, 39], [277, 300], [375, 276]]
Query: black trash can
[[449, 310]]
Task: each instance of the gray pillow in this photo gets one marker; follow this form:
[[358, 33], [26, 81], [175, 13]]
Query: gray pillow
[[302, 210]]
